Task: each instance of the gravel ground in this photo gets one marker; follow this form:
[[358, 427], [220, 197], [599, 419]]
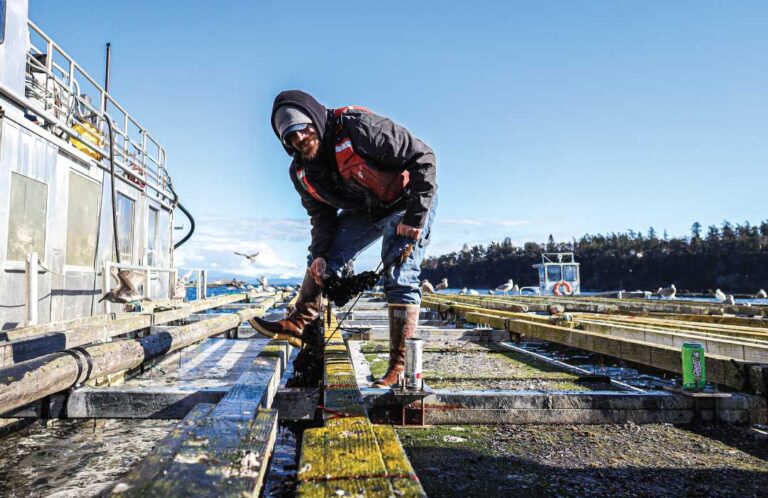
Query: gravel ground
[[468, 366], [597, 460]]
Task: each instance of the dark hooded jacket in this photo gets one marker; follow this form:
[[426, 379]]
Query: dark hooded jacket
[[384, 144]]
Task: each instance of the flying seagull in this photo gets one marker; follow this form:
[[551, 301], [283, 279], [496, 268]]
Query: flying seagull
[[250, 257], [236, 284], [127, 290], [442, 285]]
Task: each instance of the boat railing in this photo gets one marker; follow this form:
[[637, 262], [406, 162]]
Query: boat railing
[[78, 106]]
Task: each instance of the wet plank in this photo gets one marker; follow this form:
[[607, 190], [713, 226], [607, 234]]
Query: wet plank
[[349, 455], [227, 452]]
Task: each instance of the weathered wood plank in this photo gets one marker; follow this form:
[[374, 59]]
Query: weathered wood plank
[[28, 347], [720, 369], [227, 453], [139, 402], [25, 382], [347, 456]]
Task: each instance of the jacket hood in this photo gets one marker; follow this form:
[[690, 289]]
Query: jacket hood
[[316, 111]]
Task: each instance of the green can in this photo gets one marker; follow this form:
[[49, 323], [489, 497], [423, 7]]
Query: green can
[[694, 370]]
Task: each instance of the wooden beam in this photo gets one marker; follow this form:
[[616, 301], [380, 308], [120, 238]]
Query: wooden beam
[[720, 369], [733, 348], [31, 380], [18, 350], [227, 452], [350, 454]]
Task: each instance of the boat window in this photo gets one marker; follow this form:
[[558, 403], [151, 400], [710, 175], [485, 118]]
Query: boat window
[[569, 273], [2, 21], [26, 218], [82, 220], [541, 275], [554, 273], [152, 237], [125, 227]]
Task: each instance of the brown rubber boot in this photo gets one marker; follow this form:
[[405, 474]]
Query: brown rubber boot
[[307, 308], [403, 319]]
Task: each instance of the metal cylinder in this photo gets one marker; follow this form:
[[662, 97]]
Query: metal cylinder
[[414, 352]]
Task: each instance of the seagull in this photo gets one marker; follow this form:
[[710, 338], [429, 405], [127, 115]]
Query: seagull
[[761, 294], [263, 281], [668, 292], [442, 285], [426, 287], [729, 300], [720, 295], [127, 290], [515, 289], [473, 292], [505, 288], [180, 289], [250, 257], [463, 291], [236, 284]]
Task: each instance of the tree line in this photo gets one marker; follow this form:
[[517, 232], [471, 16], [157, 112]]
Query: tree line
[[732, 257]]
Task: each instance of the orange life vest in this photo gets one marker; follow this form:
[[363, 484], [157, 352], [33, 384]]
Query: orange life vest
[[386, 186]]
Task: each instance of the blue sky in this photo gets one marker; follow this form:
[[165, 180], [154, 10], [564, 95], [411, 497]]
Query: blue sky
[[547, 117]]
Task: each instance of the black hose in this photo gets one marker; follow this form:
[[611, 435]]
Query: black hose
[[183, 210], [114, 196], [191, 226]]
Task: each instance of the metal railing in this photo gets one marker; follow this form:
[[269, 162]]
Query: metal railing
[[69, 97]]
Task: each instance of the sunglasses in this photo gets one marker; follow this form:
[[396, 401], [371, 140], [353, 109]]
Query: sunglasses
[[293, 129]]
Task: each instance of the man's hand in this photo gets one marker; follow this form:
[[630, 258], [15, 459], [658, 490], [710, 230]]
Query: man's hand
[[408, 231], [317, 270]]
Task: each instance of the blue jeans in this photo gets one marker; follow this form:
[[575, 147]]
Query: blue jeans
[[354, 234]]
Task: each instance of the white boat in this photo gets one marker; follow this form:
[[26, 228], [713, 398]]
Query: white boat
[[56, 212], [558, 274]]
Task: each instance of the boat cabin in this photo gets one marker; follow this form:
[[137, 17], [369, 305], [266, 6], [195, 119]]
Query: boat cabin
[[558, 274], [56, 211]]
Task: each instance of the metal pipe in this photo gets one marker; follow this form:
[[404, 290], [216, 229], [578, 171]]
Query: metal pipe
[[31, 301]]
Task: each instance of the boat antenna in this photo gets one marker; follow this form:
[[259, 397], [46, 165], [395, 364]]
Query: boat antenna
[[106, 73]]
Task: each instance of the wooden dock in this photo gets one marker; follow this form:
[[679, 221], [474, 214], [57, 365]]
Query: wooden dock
[[195, 364], [350, 455]]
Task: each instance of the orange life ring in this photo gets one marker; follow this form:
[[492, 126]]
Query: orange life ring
[[567, 291]]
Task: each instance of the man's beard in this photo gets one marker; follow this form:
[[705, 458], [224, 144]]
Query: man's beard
[[308, 151]]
